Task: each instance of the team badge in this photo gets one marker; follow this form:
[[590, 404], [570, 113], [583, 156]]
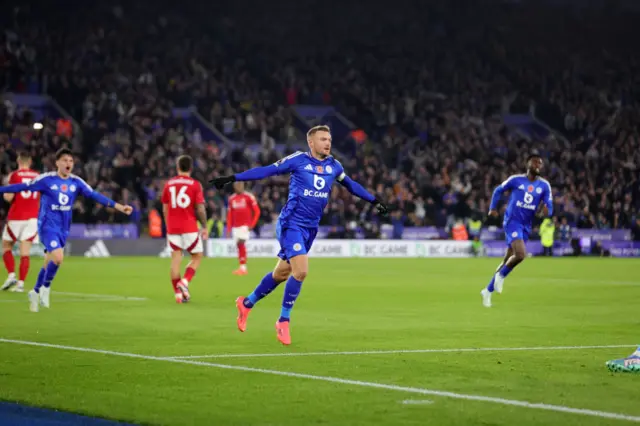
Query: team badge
[[538, 190], [64, 188], [72, 188], [54, 244], [297, 246], [530, 188], [514, 234], [329, 169], [319, 169]]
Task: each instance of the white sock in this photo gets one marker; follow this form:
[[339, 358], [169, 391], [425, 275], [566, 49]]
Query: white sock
[[243, 267]]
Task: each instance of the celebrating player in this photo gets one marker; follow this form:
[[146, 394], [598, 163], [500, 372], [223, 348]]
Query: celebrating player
[[527, 192], [242, 215], [22, 224], [58, 191], [182, 202], [312, 174]]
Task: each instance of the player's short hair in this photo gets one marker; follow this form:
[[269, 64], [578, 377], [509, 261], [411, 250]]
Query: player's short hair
[[23, 156], [62, 152], [321, 128], [185, 163], [532, 156]]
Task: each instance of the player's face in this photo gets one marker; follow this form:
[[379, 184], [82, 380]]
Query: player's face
[[238, 187], [535, 166], [65, 165], [320, 143]]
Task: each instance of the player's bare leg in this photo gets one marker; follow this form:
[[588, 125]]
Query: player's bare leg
[[25, 261], [519, 252], [190, 271], [9, 264], [299, 271], [242, 258], [176, 261], [280, 273]]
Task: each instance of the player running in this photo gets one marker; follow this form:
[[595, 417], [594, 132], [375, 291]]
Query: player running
[[242, 216], [182, 203], [58, 191], [527, 192], [312, 174], [22, 224]]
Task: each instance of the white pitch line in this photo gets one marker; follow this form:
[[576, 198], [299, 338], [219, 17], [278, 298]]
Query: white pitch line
[[74, 300], [401, 351], [101, 296], [416, 401], [374, 385]]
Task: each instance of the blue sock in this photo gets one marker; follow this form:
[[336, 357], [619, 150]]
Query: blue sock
[[266, 286], [291, 293], [490, 286], [40, 280], [505, 270], [52, 268]]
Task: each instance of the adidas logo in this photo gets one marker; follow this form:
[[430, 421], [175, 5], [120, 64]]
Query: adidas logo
[[309, 167], [54, 187], [98, 249], [166, 252], [521, 187]]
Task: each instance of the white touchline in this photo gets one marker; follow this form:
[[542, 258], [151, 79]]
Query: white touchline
[[402, 351], [100, 296], [420, 391], [416, 401], [77, 300]]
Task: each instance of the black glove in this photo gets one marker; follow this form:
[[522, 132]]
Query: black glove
[[221, 181], [382, 209]]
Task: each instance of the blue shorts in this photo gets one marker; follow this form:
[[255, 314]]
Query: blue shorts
[[294, 240], [515, 231], [52, 240]]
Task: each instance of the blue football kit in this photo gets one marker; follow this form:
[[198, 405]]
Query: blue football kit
[[526, 196], [57, 198], [309, 192]]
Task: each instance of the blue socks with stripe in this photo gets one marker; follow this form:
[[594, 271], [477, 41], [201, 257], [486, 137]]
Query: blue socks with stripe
[[266, 286], [291, 293], [40, 280], [52, 269]]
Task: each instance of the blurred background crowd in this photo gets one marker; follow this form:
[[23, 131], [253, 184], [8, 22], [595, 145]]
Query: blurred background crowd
[[440, 106]]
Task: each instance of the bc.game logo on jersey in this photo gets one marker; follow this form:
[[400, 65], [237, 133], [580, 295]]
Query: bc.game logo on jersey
[[319, 183], [528, 199], [63, 199]]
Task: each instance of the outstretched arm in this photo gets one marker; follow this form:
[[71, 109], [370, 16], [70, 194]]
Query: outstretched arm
[[548, 201], [497, 194], [358, 190], [258, 173], [355, 188], [89, 192], [36, 185]]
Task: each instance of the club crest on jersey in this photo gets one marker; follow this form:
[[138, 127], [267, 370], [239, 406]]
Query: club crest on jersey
[[538, 190], [72, 188], [319, 169], [530, 188], [64, 187], [329, 169]]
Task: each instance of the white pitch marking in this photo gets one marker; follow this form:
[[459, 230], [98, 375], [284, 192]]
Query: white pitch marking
[[101, 296], [402, 351], [416, 401], [74, 300], [420, 391]]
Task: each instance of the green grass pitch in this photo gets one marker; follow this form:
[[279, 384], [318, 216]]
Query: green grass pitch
[[346, 305]]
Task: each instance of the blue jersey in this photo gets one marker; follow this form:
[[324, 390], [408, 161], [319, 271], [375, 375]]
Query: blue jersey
[[309, 186], [57, 197], [525, 198]]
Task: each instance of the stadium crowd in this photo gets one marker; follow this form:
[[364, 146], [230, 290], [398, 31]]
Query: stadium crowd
[[430, 99]]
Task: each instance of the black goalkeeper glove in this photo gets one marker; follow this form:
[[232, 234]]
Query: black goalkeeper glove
[[221, 181], [382, 209]]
